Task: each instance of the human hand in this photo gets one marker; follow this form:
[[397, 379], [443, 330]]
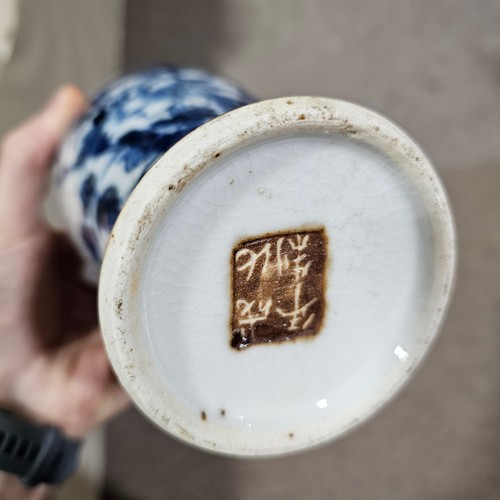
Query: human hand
[[53, 366]]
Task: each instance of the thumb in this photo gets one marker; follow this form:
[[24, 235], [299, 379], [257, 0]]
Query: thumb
[[25, 157]]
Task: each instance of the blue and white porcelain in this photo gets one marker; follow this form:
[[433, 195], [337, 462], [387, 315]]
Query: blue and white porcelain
[[127, 127], [232, 248]]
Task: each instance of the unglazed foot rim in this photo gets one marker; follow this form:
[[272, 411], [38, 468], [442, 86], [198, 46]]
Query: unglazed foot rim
[[126, 299]]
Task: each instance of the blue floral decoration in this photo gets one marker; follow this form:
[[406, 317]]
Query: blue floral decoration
[[128, 126]]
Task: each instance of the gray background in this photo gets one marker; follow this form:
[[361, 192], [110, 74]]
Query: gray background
[[434, 68]]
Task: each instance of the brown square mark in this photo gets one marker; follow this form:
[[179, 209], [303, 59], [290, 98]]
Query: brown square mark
[[278, 287]]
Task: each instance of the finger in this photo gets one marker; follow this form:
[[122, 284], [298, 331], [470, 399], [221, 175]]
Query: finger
[[100, 395], [73, 388], [114, 396], [25, 159]]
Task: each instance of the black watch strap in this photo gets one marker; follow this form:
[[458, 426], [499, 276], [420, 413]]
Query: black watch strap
[[35, 453]]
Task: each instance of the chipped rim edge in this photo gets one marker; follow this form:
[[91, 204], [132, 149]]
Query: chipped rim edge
[[120, 280]]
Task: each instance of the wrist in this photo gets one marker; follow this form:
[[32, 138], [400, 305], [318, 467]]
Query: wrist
[[12, 489], [33, 395], [35, 453]]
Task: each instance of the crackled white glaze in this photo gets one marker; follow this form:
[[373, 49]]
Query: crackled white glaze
[[283, 165], [378, 281]]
